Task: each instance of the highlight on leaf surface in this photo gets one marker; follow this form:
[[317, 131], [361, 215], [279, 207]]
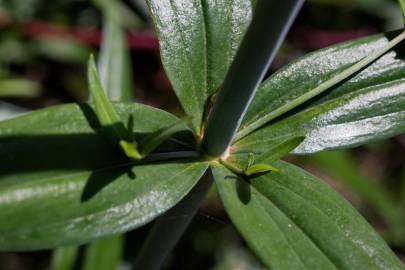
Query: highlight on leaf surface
[[108, 117], [260, 168]]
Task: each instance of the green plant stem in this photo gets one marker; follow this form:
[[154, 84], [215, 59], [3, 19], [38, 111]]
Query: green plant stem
[[320, 88], [158, 157], [168, 228], [104, 254], [271, 21], [402, 5], [64, 258], [232, 167]]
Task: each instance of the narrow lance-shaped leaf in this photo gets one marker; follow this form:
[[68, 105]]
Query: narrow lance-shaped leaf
[[107, 115], [343, 168], [300, 223], [335, 79], [271, 155], [198, 40], [50, 200], [364, 108], [258, 162], [152, 141]]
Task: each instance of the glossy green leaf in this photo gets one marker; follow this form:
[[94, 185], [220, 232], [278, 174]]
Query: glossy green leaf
[[367, 107], [353, 119], [292, 220], [198, 40], [64, 258], [104, 254], [301, 77], [62, 182], [344, 168]]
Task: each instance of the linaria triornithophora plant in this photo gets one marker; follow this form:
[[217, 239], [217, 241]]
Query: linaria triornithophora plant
[[65, 177]]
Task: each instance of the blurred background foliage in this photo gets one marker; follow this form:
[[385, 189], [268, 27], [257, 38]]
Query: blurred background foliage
[[44, 46]]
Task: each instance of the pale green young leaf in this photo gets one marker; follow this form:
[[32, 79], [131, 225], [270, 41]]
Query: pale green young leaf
[[273, 152], [108, 117], [260, 168]]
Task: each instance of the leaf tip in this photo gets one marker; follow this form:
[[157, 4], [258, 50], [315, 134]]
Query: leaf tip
[[260, 168], [130, 149]]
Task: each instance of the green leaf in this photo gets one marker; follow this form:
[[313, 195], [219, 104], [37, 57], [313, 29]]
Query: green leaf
[[107, 115], [19, 88], [343, 167], [353, 119], [114, 59], [367, 107], [104, 254], [272, 153], [152, 141], [64, 258], [60, 178], [402, 5], [292, 220], [303, 85], [198, 40], [260, 168]]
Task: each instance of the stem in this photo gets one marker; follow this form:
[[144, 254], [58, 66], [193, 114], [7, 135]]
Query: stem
[[271, 21], [169, 227], [320, 88], [158, 157], [232, 167], [64, 258]]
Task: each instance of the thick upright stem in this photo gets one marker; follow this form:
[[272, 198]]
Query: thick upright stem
[[168, 229], [271, 21]]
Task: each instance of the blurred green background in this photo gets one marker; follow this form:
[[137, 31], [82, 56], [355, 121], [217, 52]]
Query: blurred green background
[[44, 46]]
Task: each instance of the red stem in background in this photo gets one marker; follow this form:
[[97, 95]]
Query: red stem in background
[[90, 36]]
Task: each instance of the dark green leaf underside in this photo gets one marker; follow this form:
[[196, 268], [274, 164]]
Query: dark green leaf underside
[[294, 221]]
